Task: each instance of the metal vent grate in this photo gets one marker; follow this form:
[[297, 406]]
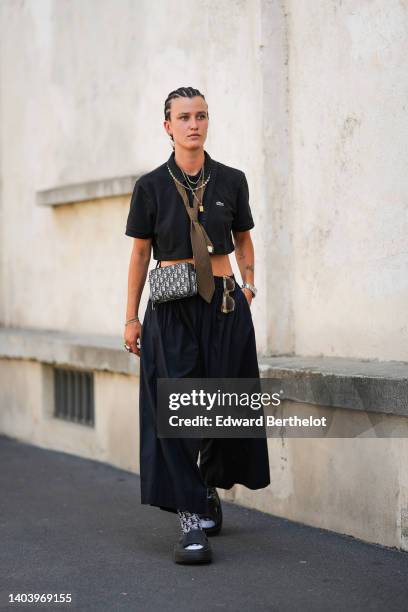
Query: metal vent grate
[[74, 396]]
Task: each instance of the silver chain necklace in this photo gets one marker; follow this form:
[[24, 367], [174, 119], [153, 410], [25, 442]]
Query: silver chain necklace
[[189, 181], [193, 189]]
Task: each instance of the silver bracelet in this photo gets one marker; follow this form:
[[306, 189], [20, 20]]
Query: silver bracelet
[[252, 288]]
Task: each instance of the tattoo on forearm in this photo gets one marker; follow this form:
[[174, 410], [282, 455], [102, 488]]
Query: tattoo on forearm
[[249, 267], [241, 254]]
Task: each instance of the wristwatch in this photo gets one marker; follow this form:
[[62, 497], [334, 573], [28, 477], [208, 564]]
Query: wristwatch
[[252, 288]]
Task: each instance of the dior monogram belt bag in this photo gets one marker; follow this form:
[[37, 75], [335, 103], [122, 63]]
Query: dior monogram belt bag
[[172, 282]]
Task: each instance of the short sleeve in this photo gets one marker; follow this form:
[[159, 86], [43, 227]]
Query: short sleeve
[[243, 220], [141, 217]]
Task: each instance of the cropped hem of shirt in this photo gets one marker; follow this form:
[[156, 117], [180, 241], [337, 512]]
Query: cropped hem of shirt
[[157, 210], [185, 255]]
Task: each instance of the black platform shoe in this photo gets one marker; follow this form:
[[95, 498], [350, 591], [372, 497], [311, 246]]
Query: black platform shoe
[[214, 512], [190, 556]]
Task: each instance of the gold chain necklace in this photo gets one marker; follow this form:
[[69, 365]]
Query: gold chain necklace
[[200, 202], [188, 186], [188, 179], [193, 190]]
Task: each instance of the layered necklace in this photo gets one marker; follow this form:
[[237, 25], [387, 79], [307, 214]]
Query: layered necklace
[[190, 181], [193, 185]]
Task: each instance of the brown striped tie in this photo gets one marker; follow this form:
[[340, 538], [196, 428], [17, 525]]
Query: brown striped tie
[[201, 245]]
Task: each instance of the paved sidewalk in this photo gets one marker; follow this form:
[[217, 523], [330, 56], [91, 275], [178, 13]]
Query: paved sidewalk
[[73, 525]]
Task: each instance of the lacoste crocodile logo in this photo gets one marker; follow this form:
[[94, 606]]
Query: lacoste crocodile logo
[[219, 203]]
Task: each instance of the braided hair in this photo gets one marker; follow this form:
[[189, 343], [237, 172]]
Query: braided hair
[[181, 92]]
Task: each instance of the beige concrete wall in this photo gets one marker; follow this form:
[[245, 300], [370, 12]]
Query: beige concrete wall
[[307, 98], [96, 76], [26, 414], [348, 84]]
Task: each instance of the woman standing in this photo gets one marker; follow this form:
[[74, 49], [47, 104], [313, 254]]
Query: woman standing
[[207, 335]]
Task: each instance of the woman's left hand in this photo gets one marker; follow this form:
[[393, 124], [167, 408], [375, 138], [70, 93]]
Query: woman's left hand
[[248, 295]]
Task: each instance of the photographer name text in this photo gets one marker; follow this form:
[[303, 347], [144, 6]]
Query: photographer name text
[[260, 421]]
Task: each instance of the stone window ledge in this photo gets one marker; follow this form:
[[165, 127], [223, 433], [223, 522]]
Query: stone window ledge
[[86, 351], [338, 382], [90, 190]]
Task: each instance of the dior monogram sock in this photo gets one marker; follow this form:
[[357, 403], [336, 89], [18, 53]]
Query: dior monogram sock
[[188, 521]]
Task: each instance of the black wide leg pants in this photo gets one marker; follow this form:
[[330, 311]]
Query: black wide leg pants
[[191, 338]]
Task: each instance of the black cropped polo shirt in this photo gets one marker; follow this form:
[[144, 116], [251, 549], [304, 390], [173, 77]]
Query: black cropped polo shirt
[[157, 210]]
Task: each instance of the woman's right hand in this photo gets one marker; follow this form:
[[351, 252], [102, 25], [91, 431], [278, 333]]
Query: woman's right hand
[[132, 337]]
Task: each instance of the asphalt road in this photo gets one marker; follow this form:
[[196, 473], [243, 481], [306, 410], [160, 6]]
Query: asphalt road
[[69, 525]]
